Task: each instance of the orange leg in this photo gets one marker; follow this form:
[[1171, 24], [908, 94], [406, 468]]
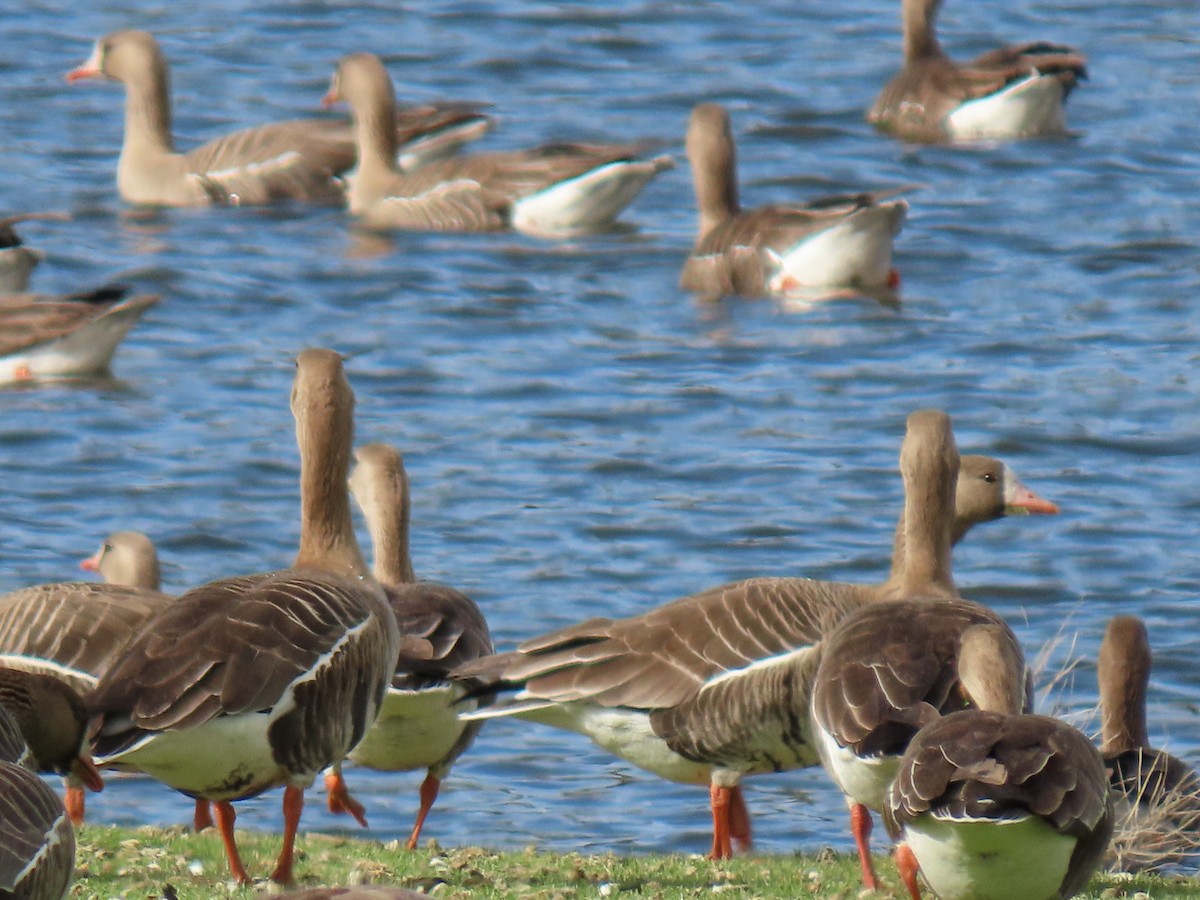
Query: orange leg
[[337, 796], [429, 792], [225, 818], [293, 805], [74, 803], [907, 864], [860, 824], [739, 819], [719, 799], [202, 816]]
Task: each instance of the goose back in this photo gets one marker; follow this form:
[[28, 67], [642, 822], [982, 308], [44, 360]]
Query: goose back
[[37, 842]]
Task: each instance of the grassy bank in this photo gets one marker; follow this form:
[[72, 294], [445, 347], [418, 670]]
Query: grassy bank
[[171, 863]]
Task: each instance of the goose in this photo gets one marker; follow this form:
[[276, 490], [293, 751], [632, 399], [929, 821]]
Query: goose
[[17, 261], [702, 690], [889, 668], [824, 246], [73, 630], [37, 842], [358, 892], [73, 335], [551, 190], [1010, 92], [292, 160], [1158, 795], [991, 804], [257, 681], [440, 628]]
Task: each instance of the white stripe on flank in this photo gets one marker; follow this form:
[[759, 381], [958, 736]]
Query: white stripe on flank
[[53, 839], [38, 663], [782, 659]]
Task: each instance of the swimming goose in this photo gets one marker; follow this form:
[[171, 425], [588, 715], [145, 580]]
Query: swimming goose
[[554, 189], [257, 681], [702, 690], [17, 261], [37, 842], [1010, 92], [440, 628], [1158, 811], [890, 668], [292, 160], [826, 245], [991, 804], [44, 336]]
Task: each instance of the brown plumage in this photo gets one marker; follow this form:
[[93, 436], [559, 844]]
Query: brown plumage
[[746, 251], [293, 160], [290, 667], [924, 100], [37, 842]]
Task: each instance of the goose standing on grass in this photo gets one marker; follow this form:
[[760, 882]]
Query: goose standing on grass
[[17, 261], [37, 842], [1158, 812], [890, 668], [257, 681], [293, 160], [827, 246], [554, 189], [991, 804], [440, 628], [1010, 92], [703, 690], [44, 336], [73, 630]]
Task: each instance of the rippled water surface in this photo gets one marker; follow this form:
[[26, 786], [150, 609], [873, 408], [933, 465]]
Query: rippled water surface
[[582, 437]]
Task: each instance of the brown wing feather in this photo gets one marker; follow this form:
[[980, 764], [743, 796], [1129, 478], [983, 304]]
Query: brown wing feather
[[32, 817], [447, 620]]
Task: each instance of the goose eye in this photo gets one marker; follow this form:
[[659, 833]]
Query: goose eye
[[989, 477]]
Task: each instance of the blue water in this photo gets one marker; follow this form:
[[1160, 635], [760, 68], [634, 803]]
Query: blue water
[[582, 437]]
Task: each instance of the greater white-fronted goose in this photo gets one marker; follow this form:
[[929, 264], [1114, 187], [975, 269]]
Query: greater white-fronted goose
[[890, 668], [17, 261], [37, 842], [991, 804], [702, 690], [293, 160], [440, 629], [44, 336], [257, 681], [73, 630], [53, 721], [554, 189], [1158, 812], [126, 557], [822, 247], [1010, 92]]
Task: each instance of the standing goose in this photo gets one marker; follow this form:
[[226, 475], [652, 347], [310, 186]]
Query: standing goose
[[1010, 92], [890, 668], [440, 629], [37, 842], [256, 681], [702, 690], [44, 336], [554, 189], [995, 805], [1158, 795], [293, 160], [17, 261], [830, 244]]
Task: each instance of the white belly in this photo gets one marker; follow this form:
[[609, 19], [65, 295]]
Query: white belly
[[1027, 108], [415, 730], [864, 780], [1013, 859]]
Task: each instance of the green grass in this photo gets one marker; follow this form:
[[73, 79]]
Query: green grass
[[141, 863]]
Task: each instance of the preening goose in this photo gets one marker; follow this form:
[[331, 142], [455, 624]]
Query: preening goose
[[890, 668], [554, 189], [1158, 795], [821, 247], [292, 160], [257, 681], [440, 628], [991, 804], [37, 842], [1010, 92], [17, 261], [44, 336], [702, 690]]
